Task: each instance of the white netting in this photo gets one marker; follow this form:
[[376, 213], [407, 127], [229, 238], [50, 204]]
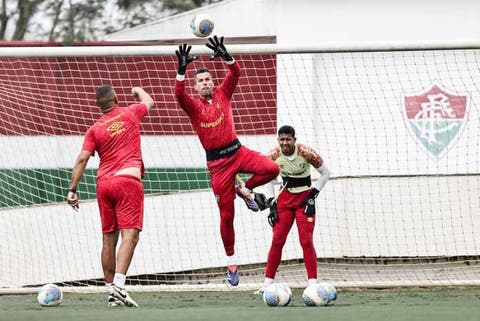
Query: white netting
[[398, 130]]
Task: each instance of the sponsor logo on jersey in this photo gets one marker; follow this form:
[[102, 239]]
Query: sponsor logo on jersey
[[214, 123], [111, 119], [116, 128]]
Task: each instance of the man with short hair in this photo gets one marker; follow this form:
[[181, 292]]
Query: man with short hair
[[295, 202], [211, 117], [115, 136]]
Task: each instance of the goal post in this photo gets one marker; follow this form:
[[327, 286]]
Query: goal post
[[397, 124]]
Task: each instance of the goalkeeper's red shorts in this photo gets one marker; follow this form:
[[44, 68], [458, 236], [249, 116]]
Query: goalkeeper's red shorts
[[223, 171], [120, 200]]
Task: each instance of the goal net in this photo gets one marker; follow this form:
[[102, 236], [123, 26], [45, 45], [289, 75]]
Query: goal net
[[399, 131]]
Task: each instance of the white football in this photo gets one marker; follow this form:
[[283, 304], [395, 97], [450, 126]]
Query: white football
[[50, 295], [331, 292], [315, 295], [277, 294], [202, 25]]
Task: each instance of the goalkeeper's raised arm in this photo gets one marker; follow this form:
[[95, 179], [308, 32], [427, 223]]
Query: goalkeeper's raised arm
[[210, 113]]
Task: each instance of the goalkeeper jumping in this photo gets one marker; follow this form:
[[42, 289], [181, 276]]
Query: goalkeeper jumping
[[296, 202], [211, 117]]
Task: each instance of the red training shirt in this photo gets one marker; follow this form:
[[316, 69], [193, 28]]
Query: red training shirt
[[116, 137], [213, 122]]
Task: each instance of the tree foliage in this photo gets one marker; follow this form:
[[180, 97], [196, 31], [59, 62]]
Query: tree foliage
[[82, 20]]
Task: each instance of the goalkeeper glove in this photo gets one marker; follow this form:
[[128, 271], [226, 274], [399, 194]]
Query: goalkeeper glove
[[273, 215], [310, 202], [218, 49], [183, 56], [262, 201]]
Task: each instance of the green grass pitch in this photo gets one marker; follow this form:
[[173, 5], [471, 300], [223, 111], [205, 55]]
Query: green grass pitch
[[373, 305]]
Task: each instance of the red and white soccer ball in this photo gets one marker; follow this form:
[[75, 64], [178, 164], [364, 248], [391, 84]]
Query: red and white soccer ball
[[49, 295], [202, 25]]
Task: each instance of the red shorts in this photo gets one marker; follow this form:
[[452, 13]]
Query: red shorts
[[291, 206], [223, 172], [120, 200]]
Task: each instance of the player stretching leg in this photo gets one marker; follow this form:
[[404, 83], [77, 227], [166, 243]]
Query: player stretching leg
[[116, 138], [296, 202], [211, 117]]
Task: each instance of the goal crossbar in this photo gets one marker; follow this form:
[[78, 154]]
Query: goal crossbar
[[155, 50]]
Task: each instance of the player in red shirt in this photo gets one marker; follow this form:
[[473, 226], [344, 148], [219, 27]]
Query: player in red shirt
[[296, 201], [115, 136], [212, 120]]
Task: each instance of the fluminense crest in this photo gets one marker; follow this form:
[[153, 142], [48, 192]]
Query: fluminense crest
[[436, 118]]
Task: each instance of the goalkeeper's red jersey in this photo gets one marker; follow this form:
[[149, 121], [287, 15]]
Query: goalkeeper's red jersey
[[116, 138], [213, 122]]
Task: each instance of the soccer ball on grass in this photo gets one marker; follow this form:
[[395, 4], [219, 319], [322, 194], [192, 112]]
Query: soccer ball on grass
[[277, 294], [202, 25], [332, 292], [50, 295], [319, 294]]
